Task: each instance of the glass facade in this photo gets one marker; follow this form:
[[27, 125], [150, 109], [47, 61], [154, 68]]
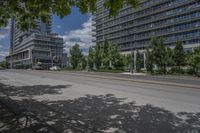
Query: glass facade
[[29, 47], [174, 20]]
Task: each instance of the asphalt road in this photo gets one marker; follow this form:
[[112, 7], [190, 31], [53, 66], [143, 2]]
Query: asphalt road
[[81, 102]]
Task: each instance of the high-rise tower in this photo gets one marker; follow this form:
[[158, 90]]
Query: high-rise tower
[[38, 45], [131, 29]]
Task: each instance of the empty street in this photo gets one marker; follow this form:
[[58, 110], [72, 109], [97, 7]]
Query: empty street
[[92, 102]]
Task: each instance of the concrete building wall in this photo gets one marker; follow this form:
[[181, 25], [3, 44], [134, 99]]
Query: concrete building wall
[[174, 20], [34, 46]]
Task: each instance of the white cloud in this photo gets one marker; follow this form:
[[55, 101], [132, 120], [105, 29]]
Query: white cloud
[[3, 53], [82, 36]]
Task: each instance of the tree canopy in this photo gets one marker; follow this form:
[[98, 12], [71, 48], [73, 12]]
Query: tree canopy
[[25, 11], [179, 56], [105, 53], [76, 56], [97, 56], [138, 61], [4, 64], [193, 60], [159, 55], [91, 58]]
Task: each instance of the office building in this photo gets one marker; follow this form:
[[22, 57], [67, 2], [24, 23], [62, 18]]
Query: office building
[[34, 46], [131, 29], [65, 60]]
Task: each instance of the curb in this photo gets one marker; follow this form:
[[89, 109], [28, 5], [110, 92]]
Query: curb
[[133, 80]]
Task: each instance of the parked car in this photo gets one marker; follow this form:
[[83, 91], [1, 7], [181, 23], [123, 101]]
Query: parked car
[[37, 67], [1, 68], [55, 68]]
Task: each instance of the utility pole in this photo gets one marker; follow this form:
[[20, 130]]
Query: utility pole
[[135, 60], [52, 58], [131, 61], [11, 62]]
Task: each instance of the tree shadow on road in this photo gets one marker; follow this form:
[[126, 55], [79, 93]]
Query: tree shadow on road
[[106, 113], [14, 116], [35, 90], [102, 113]]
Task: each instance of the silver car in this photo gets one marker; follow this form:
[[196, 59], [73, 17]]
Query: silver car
[[55, 68]]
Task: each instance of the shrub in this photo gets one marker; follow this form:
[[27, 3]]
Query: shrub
[[177, 70], [190, 71]]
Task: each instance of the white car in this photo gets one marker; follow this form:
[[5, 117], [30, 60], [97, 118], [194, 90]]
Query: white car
[[55, 68], [1, 68]]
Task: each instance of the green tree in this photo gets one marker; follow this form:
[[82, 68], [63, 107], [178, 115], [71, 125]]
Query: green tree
[[159, 53], [149, 60], [112, 54], [5, 64], [193, 60], [138, 61], [168, 58], [118, 62], [76, 56], [128, 61], [26, 11], [84, 63], [98, 56], [106, 54], [91, 58], [179, 55], [116, 57]]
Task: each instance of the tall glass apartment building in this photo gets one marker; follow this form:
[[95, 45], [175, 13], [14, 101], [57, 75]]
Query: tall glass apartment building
[[38, 45], [174, 20]]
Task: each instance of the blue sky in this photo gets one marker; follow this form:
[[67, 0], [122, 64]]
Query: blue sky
[[74, 28]]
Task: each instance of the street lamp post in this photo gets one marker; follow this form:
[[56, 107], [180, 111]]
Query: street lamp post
[[11, 62], [131, 61]]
